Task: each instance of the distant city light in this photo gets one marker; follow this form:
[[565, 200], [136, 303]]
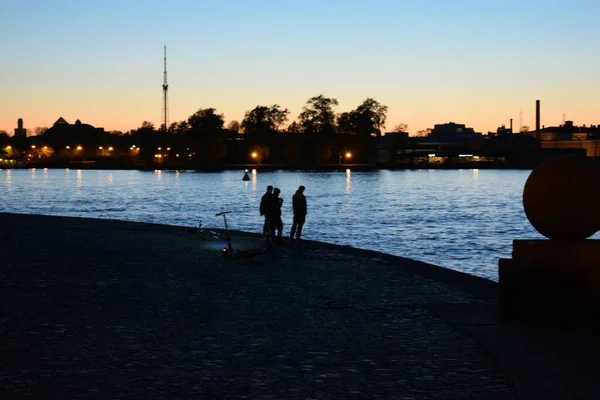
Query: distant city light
[[67, 147], [100, 148], [431, 155], [33, 146], [110, 148], [348, 155], [168, 149], [254, 154], [160, 148], [465, 155], [8, 147], [45, 147], [79, 148]]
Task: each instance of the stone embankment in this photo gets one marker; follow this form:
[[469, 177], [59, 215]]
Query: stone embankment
[[110, 309]]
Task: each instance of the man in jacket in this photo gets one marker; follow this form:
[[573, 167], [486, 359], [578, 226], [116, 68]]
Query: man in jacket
[[300, 211], [266, 205], [275, 218]]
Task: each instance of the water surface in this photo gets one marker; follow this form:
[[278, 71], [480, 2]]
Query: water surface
[[459, 219]]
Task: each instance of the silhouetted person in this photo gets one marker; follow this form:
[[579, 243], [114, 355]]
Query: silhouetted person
[[266, 204], [299, 206], [276, 222]]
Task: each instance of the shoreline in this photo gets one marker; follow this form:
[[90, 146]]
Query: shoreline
[[267, 168], [476, 285]]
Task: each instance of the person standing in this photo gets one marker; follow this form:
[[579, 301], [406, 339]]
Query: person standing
[[300, 211], [266, 202], [276, 222]]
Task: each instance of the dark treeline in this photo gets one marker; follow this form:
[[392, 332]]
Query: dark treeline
[[319, 136]]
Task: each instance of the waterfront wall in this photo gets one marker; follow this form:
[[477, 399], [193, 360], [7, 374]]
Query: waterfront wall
[[592, 147]]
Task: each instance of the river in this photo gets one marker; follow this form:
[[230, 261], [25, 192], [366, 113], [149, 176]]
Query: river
[[459, 219]]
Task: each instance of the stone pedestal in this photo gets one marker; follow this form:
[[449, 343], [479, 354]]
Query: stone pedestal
[[551, 282]]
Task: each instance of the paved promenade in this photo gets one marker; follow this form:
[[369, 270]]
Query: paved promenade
[[106, 309]]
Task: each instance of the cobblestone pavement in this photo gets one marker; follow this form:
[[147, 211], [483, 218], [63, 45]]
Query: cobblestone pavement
[[108, 309]]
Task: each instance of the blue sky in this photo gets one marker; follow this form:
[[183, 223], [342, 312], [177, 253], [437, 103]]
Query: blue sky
[[474, 62]]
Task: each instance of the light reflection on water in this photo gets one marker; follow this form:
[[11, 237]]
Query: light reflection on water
[[7, 180], [459, 219]]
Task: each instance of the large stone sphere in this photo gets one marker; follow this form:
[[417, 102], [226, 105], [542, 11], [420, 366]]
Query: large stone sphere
[[562, 198]]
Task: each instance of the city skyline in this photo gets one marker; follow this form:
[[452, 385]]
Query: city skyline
[[432, 62]]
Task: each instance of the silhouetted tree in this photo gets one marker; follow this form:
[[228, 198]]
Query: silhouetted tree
[[40, 131], [346, 123], [147, 125], [260, 126], [205, 121], [179, 128], [263, 120], [317, 116], [524, 129], [317, 121], [146, 138], [363, 123], [423, 132], [369, 118], [234, 126], [206, 136], [294, 127], [400, 128]]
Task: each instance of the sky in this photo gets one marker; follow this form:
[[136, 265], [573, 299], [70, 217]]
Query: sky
[[476, 62]]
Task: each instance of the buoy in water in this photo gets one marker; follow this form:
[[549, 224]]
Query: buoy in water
[[246, 177]]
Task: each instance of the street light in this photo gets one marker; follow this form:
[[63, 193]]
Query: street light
[[347, 156]]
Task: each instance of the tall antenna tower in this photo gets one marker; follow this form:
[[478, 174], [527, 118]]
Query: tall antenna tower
[[165, 86], [564, 118]]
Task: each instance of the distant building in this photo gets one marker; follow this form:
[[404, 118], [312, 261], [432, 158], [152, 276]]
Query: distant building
[[63, 134], [570, 136], [502, 130], [453, 132], [20, 132]]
